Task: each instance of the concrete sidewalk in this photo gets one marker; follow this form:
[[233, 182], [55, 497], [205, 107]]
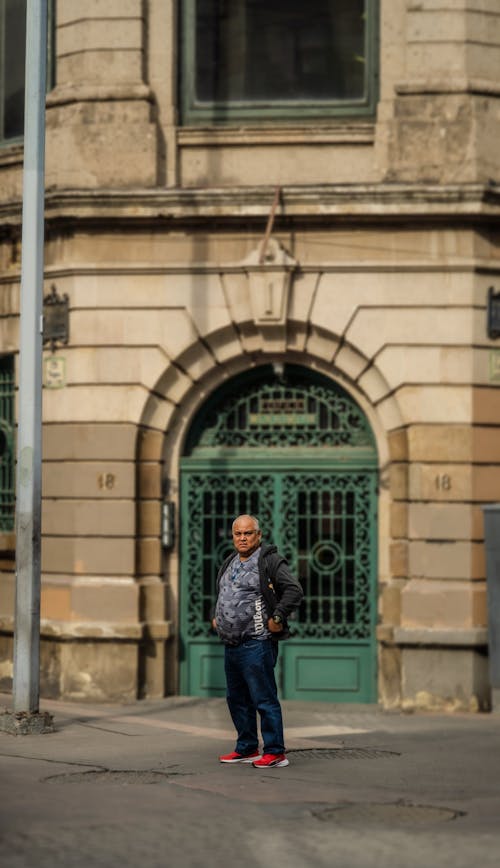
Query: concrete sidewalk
[[140, 785]]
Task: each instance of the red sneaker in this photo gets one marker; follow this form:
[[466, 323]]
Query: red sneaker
[[269, 760], [235, 757]]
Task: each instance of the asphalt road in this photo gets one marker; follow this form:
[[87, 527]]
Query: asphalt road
[[141, 786]]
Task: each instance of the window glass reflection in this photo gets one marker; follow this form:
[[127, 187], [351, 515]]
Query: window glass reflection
[[13, 24], [258, 51]]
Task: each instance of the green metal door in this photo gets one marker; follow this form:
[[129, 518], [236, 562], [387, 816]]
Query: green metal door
[[298, 453]]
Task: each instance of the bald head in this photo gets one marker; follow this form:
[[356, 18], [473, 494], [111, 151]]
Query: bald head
[[246, 519]]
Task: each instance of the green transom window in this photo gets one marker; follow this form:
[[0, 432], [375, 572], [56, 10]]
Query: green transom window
[[267, 59], [294, 411]]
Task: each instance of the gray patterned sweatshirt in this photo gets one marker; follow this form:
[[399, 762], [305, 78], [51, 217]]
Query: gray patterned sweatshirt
[[280, 591]]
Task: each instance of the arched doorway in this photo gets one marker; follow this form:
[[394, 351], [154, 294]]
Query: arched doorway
[[293, 448]]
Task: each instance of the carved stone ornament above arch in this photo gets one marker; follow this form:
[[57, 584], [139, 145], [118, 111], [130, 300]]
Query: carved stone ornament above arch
[[269, 269]]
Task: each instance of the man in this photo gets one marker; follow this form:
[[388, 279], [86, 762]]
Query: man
[[256, 593]]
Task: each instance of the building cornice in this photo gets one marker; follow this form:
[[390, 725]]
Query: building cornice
[[316, 203]]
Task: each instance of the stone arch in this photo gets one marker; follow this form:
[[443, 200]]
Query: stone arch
[[167, 415]]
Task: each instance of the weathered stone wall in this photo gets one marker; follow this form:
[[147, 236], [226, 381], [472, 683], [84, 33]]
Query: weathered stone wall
[[100, 124], [389, 229], [445, 117], [397, 315]]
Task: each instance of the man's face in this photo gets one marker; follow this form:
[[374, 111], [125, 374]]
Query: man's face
[[246, 538]]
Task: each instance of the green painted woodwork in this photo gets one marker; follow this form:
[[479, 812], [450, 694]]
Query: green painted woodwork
[[299, 454], [265, 61], [322, 672]]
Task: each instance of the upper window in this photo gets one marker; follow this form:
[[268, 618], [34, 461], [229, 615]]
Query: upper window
[[12, 59], [270, 59], [12, 54]]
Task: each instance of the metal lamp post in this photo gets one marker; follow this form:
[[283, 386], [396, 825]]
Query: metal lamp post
[[28, 485]]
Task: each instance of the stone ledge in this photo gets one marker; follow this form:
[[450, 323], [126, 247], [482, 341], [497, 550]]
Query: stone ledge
[[71, 93], [343, 133], [321, 201], [96, 630], [385, 634], [12, 155], [458, 85], [157, 630], [476, 637]]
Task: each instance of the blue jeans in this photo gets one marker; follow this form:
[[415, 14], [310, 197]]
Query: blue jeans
[[251, 688]]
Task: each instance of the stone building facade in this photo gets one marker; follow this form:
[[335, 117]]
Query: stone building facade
[[282, 313]]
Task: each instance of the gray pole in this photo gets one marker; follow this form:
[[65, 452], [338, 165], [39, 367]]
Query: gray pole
[[29, 436]]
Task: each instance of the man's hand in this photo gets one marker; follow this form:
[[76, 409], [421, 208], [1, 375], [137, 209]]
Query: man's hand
[[274, 627], [214, 623]]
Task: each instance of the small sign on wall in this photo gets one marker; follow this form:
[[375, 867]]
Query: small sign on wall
[[495, 366], [54, 372]]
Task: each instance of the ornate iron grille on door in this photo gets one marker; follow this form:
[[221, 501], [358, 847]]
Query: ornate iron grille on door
[[298, 452], [326, 532], [212, 501]]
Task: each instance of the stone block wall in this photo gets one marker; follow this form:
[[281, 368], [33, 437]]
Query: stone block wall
[[151, 335], [445, 114], [100, 118], [387, 231]]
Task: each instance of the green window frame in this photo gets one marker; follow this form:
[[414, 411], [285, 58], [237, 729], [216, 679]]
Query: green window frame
[[7, 444], [12, 66], [266, 60]]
